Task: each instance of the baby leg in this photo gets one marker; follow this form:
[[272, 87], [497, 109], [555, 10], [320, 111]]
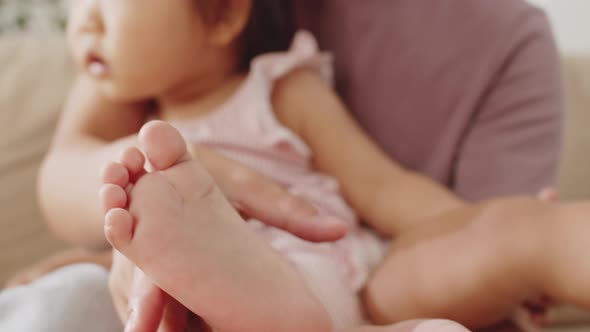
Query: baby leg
[[565, 268], [475, 274]]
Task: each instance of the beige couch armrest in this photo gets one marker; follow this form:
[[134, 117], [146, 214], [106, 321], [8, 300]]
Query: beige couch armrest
[[35, 73], [575, 168]]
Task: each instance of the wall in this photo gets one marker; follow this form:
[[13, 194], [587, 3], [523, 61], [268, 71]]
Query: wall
[[571, 23]]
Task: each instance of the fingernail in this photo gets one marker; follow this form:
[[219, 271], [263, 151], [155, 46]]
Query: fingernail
[[440, 325]]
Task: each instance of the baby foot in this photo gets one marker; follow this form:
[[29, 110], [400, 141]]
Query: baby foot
[[176, 225]]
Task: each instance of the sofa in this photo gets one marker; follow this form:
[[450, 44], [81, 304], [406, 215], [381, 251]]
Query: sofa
[[35, 73]]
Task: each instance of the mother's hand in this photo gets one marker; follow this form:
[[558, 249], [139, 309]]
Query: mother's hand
[[257, 196], [141, 305]]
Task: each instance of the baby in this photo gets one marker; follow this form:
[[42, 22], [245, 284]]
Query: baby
[[204, 67], [198, 61]]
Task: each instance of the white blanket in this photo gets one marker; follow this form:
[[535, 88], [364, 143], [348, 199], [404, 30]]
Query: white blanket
[[75, 298]]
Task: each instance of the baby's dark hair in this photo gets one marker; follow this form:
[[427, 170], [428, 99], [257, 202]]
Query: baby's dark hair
[[270, 27]]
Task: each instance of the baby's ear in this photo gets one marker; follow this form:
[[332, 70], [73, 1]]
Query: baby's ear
[[232, 20]]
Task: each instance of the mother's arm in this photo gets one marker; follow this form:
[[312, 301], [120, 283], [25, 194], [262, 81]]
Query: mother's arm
[[513, 144]]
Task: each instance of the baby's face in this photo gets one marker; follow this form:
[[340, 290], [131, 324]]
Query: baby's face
[[137, 49]]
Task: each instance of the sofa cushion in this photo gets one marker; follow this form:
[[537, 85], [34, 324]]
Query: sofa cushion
[[575, 167], [34, 78]]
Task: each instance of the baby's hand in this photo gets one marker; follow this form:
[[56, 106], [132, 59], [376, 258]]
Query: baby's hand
[[548, 194]]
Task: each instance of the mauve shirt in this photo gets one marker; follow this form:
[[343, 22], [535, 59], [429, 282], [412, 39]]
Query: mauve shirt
[[467, 92]]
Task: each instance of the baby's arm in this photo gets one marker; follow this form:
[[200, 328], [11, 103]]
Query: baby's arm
[[388, 196], [91, 132]]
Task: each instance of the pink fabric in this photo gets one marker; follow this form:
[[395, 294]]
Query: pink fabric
[[245, 129], [467, 92]]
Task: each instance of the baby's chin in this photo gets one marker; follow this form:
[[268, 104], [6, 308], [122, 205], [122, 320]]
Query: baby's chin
[[124, 93]]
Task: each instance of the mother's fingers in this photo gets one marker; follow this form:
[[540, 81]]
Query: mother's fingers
[[262, 198], [145, 305], [276, 207], [120, 280], [430, 325]]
